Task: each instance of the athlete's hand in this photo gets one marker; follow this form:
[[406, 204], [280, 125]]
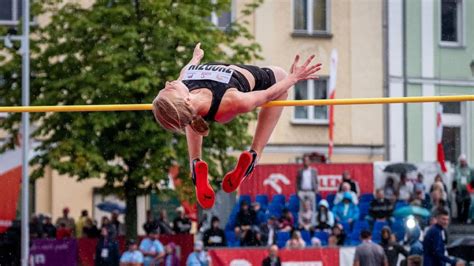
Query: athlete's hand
[[198, 53], [305, 71]]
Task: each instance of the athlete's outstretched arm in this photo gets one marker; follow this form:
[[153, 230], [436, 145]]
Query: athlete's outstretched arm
[[198, 54], [194, 144], [246, 102]]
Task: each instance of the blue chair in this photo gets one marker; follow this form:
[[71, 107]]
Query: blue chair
[[377, 231], [363, 209], [306, 235], [295, 219], [275, 209], [400, 204], [323, 236], [263, 200], [245, 198], [330, 198], [294, 203], [278, 199], [232, 241], [318, 198], [347, 227], [398, 228], [367, 197], [360, 225], [282, 238]]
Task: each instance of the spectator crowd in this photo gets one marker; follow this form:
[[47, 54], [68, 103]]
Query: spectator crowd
[[346, 217]]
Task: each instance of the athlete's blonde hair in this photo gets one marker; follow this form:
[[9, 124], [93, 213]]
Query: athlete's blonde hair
[[174, 114]]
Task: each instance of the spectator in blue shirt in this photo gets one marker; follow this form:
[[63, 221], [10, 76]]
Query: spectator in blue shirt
[[346, 211], [198, 257], [433, 244], [151, 248], [131, 257]]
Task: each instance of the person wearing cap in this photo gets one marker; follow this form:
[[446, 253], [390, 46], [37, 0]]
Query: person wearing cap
[[346, 211], [66, 220], [324, 218], [181, 224], [151, 248], [199, 256], [463, 175], [272, 259], [214, 236], [131, 257]]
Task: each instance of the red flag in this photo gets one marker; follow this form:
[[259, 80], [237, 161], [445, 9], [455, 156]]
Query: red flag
[[332, 95], [439, 138]]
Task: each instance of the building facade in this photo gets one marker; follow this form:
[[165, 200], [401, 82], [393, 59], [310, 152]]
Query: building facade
[[285, 28], [430, 52]]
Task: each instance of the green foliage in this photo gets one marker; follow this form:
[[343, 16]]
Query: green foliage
[[121, 52]]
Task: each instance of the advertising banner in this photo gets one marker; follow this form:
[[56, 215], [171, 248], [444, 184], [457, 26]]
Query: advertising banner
[[249, 257], [53, 252], [274, 179]]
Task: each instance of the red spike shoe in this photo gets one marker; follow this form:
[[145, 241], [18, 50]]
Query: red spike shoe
[[244, 168], [204, 193]]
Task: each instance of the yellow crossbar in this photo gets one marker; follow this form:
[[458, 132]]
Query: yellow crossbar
[[143, 107]]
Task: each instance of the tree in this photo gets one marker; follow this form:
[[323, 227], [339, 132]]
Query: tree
[[121, 52]]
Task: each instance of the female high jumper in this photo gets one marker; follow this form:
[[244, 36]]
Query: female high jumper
[[219, 92]]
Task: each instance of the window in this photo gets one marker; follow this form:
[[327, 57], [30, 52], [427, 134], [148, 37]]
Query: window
[[451, 22], [311, 89], [454, 139], [451, 143], [311, 16], [451, 107], [8, 16], [223, 19]]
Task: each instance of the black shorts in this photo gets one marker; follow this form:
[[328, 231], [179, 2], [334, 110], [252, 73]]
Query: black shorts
[[264, 77]]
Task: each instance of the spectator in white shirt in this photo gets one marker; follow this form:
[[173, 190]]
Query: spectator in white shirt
[[307, 183], [405, 188], [346, 187]]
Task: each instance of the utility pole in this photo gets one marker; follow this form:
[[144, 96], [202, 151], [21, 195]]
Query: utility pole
[[25, 122]]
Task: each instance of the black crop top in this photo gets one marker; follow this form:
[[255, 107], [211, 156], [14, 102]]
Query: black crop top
[[218, 89]]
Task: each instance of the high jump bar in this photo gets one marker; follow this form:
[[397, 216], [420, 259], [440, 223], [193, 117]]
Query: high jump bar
[[145, 107]]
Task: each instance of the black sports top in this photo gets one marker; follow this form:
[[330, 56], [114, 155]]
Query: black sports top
[[218, 89], [264, 78]]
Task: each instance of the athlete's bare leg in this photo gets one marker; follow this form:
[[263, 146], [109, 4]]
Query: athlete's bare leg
[[268, 117]]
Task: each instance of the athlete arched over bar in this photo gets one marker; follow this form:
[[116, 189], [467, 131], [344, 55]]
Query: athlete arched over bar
[[219, 92]]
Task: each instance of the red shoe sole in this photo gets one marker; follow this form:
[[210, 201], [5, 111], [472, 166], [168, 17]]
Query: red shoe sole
[[204, 193], [233, 179]]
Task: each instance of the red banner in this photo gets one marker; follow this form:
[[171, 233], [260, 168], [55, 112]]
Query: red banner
[[307, 257], [86, 251], [9, 191], [274, 179]]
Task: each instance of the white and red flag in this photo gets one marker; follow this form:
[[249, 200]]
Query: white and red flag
[[332, 95], [439, 138]]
